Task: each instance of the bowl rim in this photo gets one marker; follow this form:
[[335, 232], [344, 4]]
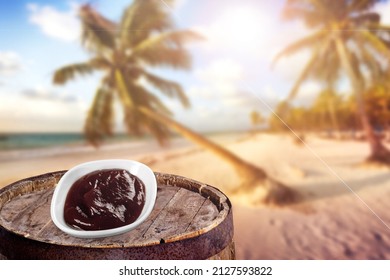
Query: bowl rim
[[69, 177]]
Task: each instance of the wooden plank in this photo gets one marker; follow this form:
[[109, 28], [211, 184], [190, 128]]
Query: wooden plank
[[18, 205], [11, 194], [35, 216], [204, 218], [44, 182], [176, 217]]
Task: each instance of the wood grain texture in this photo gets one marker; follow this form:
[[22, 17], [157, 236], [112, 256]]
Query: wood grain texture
[[189, 220]]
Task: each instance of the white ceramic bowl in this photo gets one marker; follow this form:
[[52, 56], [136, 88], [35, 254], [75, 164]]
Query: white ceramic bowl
[[136, 168]]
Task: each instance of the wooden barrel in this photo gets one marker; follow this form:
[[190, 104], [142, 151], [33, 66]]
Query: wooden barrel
[[190, 220]]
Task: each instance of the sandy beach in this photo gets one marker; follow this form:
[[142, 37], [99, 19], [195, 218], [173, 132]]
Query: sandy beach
[[344, 215]]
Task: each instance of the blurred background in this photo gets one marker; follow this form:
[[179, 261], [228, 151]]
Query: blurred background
[[290, 97]]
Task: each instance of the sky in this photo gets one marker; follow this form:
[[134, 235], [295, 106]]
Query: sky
[[231, 73]]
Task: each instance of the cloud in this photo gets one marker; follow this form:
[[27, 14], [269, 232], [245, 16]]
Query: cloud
[[214, 117], [237, 30], [48, 95], [254, 31], [10, 63], [220, 70], [61, 25], [223, 82], [20, 112], [307, 93], [219, 80], [290, 67], [266, 98], [222, 98]]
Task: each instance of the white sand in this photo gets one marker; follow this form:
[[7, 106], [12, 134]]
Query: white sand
[[345, 214]]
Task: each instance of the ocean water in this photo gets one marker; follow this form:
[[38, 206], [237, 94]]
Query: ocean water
[[26, 141], [19, 146], [31, 145], [21, 141]]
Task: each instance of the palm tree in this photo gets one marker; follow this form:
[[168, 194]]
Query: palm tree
[[348, 39], [145, 37]]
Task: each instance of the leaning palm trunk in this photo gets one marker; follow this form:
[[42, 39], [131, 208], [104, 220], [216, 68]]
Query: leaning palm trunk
[[243, 168], [379, 153], [253, 178]]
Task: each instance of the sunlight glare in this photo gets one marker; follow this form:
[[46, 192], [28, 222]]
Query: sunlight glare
[[243, 29]]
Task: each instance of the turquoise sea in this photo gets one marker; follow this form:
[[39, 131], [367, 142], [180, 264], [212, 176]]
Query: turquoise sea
[[15, 146], [23, 141], [19, 141]]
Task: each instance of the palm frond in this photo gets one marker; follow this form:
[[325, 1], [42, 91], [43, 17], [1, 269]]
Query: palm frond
[[133, 121], [309, 17], [169, 88], [327, 67], [159, 131], [98, 33], [144, 98], [166, 49], [100, 63], [381, 31], [376, 43], [360, 5], [100, 119], [368, 58], [174, 39], [138, 123], [135, 28], [310, 41], [350, 63], [166, 57], [130, 97], [312, 12], [366, 19], [304, 75], [322, 7], [379, 27], [66, 73], [157, 105], [147, 100]]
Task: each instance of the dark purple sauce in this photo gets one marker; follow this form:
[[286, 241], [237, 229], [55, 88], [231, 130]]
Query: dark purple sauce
[[104, 199]]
